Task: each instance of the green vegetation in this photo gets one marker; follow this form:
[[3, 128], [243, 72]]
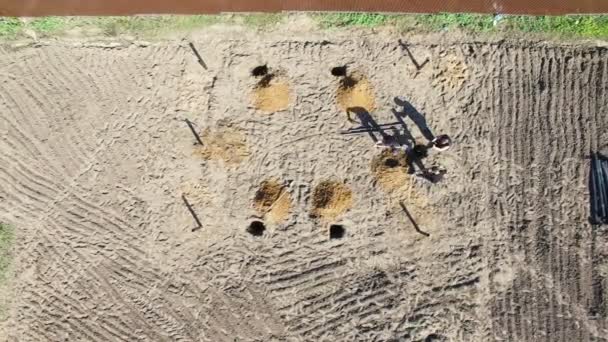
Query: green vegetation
[[147, 26], [582, 26], [588, 26], [469, 22], [9, 27], [351, 19]]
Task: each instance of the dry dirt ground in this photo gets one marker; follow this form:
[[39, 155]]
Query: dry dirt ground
[[95, 157]]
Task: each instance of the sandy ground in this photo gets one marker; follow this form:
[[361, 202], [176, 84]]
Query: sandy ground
[[303, 237]]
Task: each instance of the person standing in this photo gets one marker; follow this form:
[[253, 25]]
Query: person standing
[[441, 142]]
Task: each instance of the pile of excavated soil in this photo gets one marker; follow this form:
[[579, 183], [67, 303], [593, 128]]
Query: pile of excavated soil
[[280, 209], [273, 201], [356, 91], [391, 170], [450, 74], [271, 94], [226, 144], [330, 199]]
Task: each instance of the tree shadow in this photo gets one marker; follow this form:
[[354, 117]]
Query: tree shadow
[[407, 135], [410, 111]]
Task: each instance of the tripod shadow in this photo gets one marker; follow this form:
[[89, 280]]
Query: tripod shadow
[[366, 121], [403, 138], [410, 111], [415, 156]]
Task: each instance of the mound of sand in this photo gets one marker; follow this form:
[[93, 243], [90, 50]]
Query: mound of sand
[[271, 94], [451, 74], [391, 170], [224, 144], [273, 201], [330, 199], [356, 91]]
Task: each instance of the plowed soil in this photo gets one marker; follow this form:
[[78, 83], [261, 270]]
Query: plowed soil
[[95, 156]]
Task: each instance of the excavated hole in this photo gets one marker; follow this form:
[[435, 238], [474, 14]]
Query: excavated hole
[[259, 71], [336, 231], [339, 71], [391, 163], [256, 228]]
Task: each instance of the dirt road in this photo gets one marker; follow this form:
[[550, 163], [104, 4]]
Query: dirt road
[[95, 156]]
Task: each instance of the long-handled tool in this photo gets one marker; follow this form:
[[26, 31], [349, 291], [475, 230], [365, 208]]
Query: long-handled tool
[[379, 127], [199, 225], [407, 213], [193, 130]]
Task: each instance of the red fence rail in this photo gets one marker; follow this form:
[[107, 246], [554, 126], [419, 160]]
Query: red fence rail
[[131, 7]]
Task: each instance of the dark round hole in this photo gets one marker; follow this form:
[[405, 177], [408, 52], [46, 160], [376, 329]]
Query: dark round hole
[[256, 228], [391, 162], [339, 71], [336, 231], [259, 71]]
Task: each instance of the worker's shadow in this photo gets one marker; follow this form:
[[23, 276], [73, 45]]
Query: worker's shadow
[[597, 185], [410, 111], [366, 121]]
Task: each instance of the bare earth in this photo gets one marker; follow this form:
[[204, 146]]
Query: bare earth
[[95, 156]]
